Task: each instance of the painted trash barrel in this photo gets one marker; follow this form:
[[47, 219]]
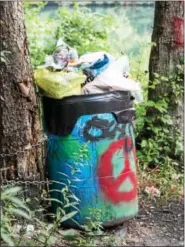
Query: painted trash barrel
[[92, 146]]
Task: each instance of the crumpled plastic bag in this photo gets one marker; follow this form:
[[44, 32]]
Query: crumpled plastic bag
[[62, 56], [113, 78], [93, 63], [152, 191], [59, 84], [120, 65]]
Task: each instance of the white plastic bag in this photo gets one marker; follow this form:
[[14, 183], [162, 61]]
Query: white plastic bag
[[120, 65], [112, 79], [94, 56]]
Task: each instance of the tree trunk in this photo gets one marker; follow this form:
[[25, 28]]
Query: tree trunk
[[166, 54], [20, 128]]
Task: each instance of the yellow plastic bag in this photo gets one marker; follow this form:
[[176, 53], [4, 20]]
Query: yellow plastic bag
[[59, 84]]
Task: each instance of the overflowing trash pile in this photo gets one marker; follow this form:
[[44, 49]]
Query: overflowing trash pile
[[65, 74]]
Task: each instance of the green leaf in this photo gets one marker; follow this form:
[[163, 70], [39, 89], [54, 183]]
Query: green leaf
[[70, 232], [58, 182], [19, 212], [170, 122], [68, 216], [7, 239], [163, 78], [41, 239], [144, 143], [30, 243], [49, 227], [19, 203], [54, 200], [51, 240], [10, 191], [55, 190], [73, 205], [73, 196], [63, 174]]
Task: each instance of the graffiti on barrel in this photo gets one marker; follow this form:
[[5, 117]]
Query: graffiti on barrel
[[106, 129], [110, 185], [97, 129], [106, 169]]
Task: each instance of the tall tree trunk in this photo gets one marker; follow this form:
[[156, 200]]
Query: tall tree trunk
[[169, 38], [169, 42], [166, 54], [20, 127]]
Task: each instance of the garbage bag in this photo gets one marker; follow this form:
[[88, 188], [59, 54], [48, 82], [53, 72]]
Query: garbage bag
[[61, 57], [59, 84], [64, 54], [93, 63], [113, 78], [120, 65]]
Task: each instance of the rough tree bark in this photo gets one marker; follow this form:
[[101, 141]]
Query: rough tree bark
[[20, 126], [165, 55]]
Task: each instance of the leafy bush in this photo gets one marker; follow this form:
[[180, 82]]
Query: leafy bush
[[79, 27], [41, 32], [84, 30], [10, 207], [157, 146]]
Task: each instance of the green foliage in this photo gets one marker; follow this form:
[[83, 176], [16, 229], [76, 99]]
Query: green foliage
[[157, 145], [10, 207], [166, 178], [84, 30], [41, 32], [160, 141], [132, 28], [111, 29], [94, 224], [79, 27], [93, 229]]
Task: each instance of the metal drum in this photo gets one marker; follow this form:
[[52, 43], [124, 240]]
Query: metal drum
[[92, 150]]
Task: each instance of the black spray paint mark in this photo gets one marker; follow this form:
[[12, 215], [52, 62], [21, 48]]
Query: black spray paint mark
[[107, 129]]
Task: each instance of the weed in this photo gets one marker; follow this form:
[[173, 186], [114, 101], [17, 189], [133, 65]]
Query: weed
[[10, 207]]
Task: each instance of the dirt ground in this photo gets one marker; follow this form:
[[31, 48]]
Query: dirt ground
[[155, 225]]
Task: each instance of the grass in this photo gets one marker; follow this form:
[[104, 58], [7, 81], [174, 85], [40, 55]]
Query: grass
[[166, 179]]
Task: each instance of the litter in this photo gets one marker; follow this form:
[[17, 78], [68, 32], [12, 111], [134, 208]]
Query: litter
[[152, 191], [91, 73], [115, 77], [30, 231], [59, 84], [93, 64], [62, 56]]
